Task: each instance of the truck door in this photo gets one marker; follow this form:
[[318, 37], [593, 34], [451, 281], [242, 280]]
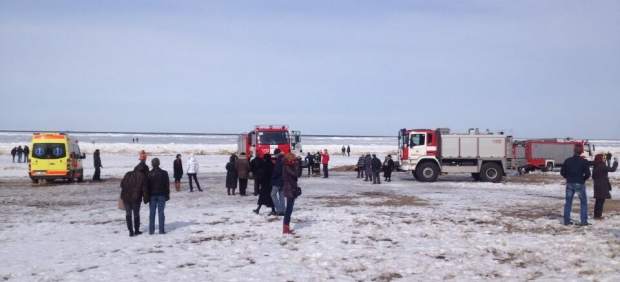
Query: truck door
[[417, 145], [403, 145]]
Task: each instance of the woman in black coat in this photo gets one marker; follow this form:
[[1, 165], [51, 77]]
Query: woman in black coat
[[231, 175], [264, 195], [602, 186], [177, 166]]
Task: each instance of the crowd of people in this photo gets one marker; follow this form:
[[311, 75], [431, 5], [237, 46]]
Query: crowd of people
[[369, 168], [21, 153]]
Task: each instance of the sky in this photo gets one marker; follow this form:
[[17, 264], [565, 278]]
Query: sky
[[529, 68]]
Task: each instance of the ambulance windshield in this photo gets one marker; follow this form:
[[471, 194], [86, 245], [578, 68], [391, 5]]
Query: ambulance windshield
[[48, 151]]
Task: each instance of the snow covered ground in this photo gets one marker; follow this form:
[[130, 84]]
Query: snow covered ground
[[347, 230]]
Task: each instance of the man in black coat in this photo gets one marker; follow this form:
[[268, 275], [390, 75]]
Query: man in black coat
[[389, 167], [376, 169], [27, 153], [13, 153], [158, 193], [133, 187], [310, 162], [256, 166], [576, 170], [98, 166], [20, 152]]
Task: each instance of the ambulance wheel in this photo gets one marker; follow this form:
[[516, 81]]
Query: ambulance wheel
[[491, 172], [35, 181], [427, 172]]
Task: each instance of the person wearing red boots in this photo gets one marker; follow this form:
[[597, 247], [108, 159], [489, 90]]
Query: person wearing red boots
[[289, 176]]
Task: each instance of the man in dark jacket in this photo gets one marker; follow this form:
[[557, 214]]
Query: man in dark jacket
[[20, 152], [389, 167], [158, 193], [98, 166], [376, 169], [133, 187], [177, 167], [13, 153], [602, 185], [27, 153], [361, 167], [368, 167], [576, 170], [256, 166], [277, 183], [348, 150], [310, 162], [243, 173]]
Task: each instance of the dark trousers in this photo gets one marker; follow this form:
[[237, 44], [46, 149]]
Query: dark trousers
[[325, 171], [290, 202], [310, 169], [360, 172], [97, 175], [132, 208], [598, 208], [376, 178], [243, 185], [368, 175], [195, 178], [257, 184], [13, 158], [388, 176]]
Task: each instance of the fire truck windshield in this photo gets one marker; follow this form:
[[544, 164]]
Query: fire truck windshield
[[273, 138]]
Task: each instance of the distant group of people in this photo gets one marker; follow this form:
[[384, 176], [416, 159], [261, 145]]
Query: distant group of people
[[21, 153], [315, 161], [135, 140], [576, 170], [369, 167], [346, 151], [149, 186]]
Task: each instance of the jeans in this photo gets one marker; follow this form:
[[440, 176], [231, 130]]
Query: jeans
[[195, 178], [278, 199], [598, 208], [571, 189], [290, 202], [132, 208], [325, 171], [369, 175], [157, 203]]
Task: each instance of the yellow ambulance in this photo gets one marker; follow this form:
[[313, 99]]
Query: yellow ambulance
[[55, 156]]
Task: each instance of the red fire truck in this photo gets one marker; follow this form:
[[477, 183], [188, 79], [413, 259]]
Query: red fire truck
[[428, 153], [267, 138], [545, 154]]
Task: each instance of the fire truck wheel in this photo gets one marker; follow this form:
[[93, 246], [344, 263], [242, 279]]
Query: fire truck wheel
[[427, 172], [491, 172], [414, 175], [476, 176]]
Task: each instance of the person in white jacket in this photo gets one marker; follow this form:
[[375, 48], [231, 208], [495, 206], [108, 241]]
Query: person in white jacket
[[192, 171]]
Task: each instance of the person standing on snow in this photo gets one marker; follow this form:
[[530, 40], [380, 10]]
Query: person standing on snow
[[348, 150], [20, 152], [242, 166], [289, 175], [602, 186], [256, 166], [177, 171], [192, 173], [133, 188], [98, 166], [158, 193], [608, 158], [388, 168], [27, 153], [361, 166], [376, 169], [343, 150], [368, 167], [264, 194], [325, 162], [13, 153], [310, 161], [231, 175], [276, 183], [576, 170]]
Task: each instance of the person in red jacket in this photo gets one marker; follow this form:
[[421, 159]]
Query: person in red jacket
[[325, 162]]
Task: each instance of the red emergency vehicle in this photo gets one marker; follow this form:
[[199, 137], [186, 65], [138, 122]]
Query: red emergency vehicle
[[267, 138]]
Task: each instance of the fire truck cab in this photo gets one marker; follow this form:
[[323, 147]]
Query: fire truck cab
[[267, 138]]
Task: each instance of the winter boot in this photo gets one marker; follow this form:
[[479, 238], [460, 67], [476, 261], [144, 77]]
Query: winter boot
[[286, 230]]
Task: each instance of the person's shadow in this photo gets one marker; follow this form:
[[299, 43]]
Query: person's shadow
[[178, 225]]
